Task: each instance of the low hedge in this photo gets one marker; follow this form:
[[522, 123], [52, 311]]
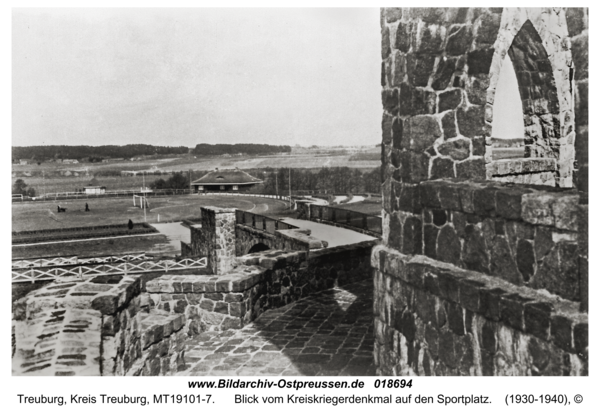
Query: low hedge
[[75, 229], [80, 233]]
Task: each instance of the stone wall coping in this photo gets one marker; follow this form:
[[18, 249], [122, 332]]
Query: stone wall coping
[[347, 248], [542, 205], [273, 259], [240, 279], [535, 312], [218, 210], [520, 166], [300, 236]]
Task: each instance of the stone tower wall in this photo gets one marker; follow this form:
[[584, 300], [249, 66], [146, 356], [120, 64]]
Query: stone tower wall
[[480, 272]]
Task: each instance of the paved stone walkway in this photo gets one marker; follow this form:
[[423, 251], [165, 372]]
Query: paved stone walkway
[[327, 334]]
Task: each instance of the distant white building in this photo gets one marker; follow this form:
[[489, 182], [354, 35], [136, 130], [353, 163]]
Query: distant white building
[[94, 189]]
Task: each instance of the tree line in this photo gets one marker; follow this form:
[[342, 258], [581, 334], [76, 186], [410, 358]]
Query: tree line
[[21, 187], [207, 150], [42, 153], [338, 180]]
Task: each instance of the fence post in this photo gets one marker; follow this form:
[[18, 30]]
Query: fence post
[[80, 273], [125, 269], [32, 276]]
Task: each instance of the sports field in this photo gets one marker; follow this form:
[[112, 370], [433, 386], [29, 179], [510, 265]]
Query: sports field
[[103, 211]]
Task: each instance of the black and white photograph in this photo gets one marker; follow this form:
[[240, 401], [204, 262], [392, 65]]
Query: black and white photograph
[[299, 192]]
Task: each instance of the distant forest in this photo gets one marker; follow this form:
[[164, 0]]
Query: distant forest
[[205, 150], [42, 153], [79, 152]]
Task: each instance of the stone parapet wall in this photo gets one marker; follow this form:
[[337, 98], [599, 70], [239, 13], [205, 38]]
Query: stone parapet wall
[[526, 235], [207, 302], [246, 237], [59, 342], [289, 240], [100, 326], [161, 345], [262, 281], [433, 318], [453, 206]]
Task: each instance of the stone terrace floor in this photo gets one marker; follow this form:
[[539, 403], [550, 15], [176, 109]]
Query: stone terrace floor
[[327, 334]]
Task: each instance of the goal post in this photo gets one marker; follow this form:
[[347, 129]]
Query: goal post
[[138, 200]]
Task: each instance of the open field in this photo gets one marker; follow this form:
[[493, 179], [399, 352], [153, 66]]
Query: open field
[[67, 184], [276, 161], [43, 215], [49, 177]]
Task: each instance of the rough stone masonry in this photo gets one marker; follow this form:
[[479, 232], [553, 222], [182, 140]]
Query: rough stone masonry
[[483, 265]]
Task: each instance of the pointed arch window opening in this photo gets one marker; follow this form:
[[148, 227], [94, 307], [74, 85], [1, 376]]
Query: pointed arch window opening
[[508, 128], [526, 144]]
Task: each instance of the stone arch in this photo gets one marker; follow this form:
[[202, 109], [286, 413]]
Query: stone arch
[[258, 247], [537, 43]]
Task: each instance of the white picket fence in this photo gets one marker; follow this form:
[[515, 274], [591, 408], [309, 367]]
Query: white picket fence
[[74, 260], [283, 198], [84, 272]]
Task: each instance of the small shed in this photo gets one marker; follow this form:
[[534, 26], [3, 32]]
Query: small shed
[[94, 187]]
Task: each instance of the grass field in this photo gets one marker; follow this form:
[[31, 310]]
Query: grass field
[[93, 248], [43, 215]]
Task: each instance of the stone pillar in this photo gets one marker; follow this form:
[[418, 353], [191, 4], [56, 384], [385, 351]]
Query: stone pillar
[[218, 238]]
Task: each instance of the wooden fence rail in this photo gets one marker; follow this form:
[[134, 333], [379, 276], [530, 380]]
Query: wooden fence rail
[[36, 274], [74, 260]]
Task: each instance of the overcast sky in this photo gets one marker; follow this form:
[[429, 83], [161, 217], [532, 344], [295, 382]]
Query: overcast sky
[[185, 76]]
